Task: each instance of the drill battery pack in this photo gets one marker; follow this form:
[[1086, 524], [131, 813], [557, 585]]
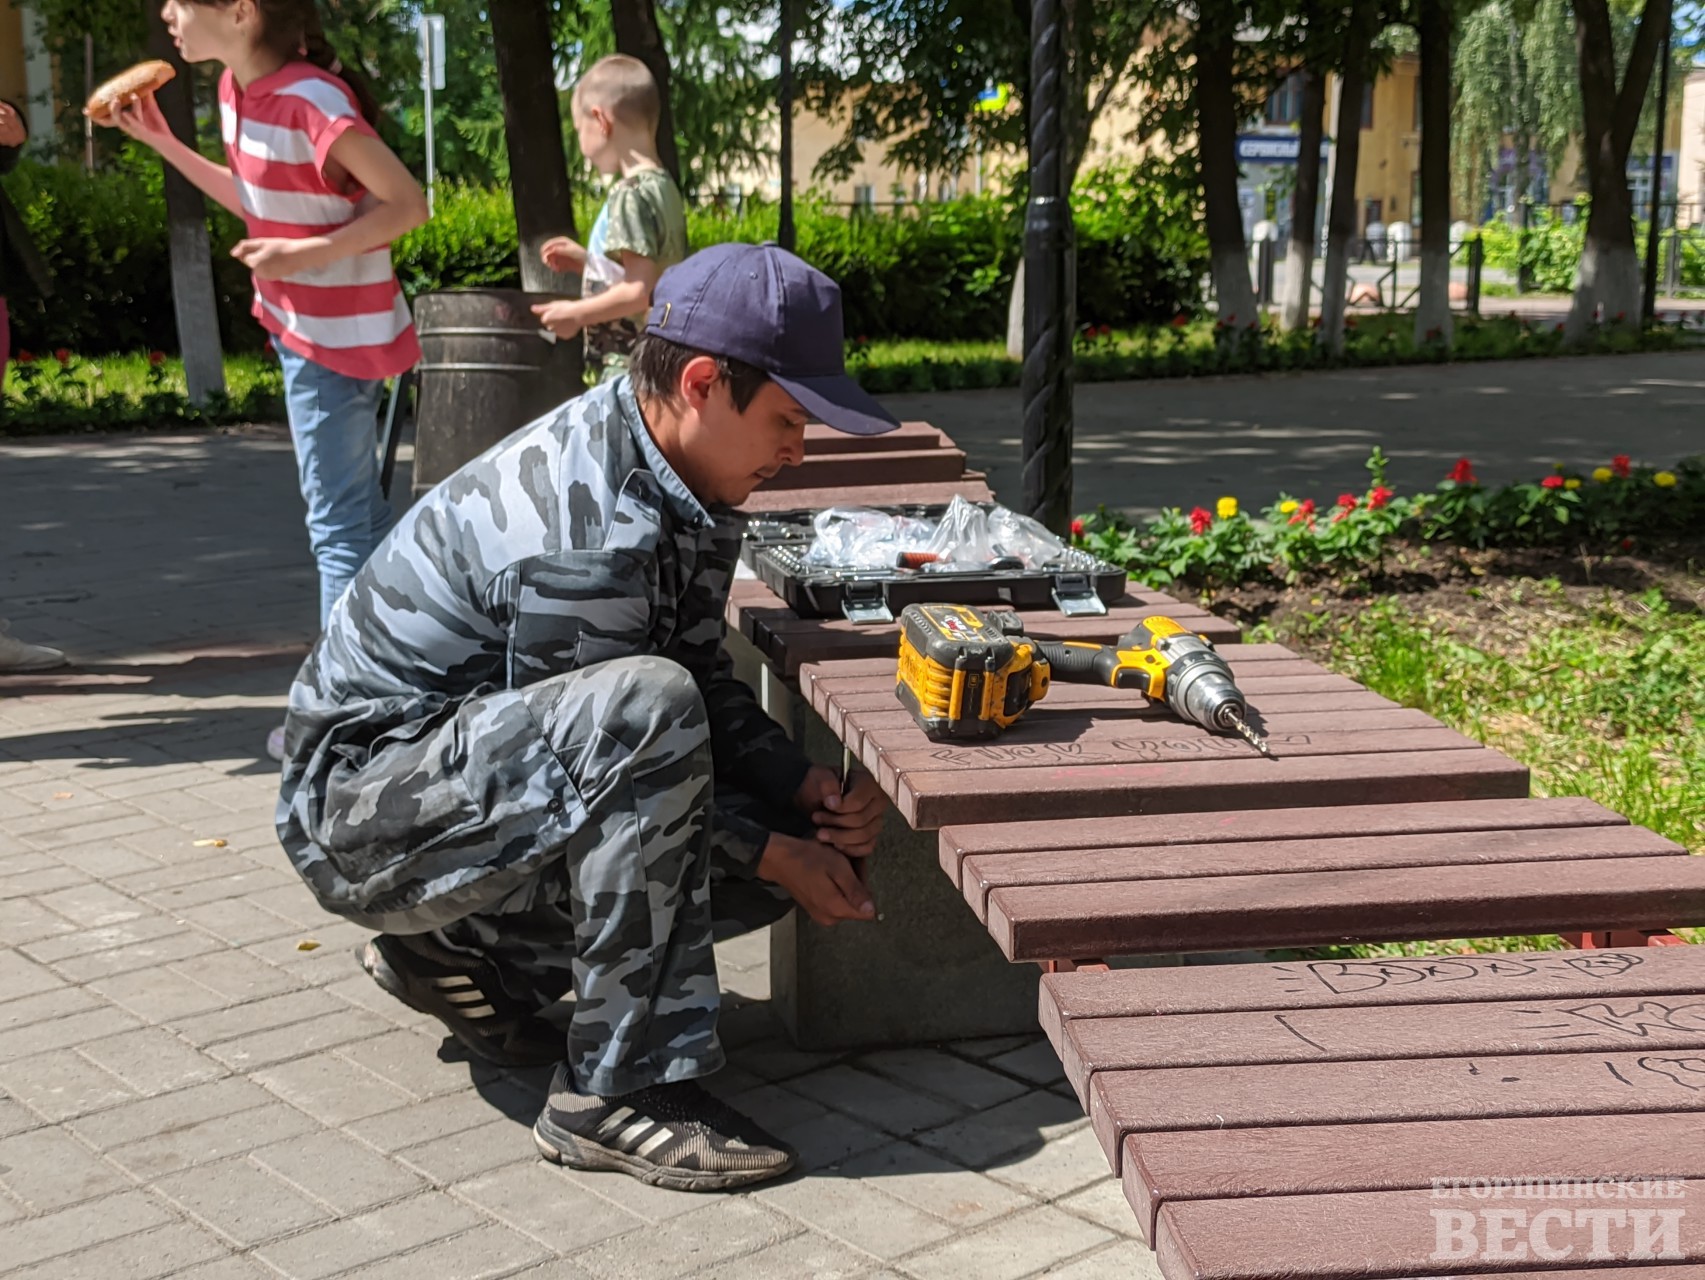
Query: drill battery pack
[[963, 674]]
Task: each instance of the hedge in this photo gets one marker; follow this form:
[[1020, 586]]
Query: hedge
[[941, 271]]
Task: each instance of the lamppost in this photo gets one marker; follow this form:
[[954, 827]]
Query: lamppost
[[431, 77], [1649, 300], [784, 225], [1050, 284]]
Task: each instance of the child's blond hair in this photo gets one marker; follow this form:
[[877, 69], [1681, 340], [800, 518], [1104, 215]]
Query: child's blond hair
[[625, 88]]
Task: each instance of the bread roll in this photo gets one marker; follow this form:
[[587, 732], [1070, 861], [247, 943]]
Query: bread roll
[[126, 87]]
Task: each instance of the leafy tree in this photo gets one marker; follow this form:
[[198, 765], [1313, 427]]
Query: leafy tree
[[1515, 81]]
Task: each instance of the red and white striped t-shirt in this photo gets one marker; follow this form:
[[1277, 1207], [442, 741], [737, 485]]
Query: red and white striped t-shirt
[[351, 316]]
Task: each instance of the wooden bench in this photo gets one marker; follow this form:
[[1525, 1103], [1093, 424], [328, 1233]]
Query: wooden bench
[[788, 641], [915, 464], [1303, 877], [1290, 1119], [1089, 752]]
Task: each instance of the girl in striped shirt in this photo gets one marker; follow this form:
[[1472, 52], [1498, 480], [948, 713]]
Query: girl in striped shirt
[[323, 198]]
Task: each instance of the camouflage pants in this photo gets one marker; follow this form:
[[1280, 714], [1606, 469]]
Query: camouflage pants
[[567, 833]]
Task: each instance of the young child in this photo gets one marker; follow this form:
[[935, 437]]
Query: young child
[[323, 198], [641, 229]]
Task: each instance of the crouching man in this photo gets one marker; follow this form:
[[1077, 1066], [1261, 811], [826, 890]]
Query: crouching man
[[519, 752]]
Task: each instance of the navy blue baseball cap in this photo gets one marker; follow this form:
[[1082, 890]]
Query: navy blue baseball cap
[[759, 304]]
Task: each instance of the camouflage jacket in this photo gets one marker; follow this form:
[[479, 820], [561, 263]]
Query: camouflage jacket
[[569, 543]]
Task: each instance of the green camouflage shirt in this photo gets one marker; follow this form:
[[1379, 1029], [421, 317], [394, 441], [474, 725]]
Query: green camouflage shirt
[[644, 215]]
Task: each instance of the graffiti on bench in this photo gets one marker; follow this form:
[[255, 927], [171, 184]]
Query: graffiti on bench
[[1355, 977]]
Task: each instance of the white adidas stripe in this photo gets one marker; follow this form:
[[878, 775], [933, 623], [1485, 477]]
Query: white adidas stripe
[[614, 1120], [632, 1132], [653, 1142]]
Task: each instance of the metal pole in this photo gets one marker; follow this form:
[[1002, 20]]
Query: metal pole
[[88, 91], [428, 57], [784, 225], [1050, 268], [1649, 300]]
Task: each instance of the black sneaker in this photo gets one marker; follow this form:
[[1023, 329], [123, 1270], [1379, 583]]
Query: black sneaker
[[670, 1135], [463, 991]]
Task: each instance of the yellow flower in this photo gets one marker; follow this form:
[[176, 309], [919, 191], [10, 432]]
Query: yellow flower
[[1288, 505], [1572, 483], [1227, 508], [1602, 474], [1664, 479]]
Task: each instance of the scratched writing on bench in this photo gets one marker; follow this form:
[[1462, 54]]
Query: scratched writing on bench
[[1645, 1018], [1121, 750], [1353, 977]]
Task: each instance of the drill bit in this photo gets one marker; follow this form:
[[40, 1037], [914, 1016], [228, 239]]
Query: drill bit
[[1250, 736]]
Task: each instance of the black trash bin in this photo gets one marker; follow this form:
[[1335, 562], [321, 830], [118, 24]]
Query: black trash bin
[[485, 370]]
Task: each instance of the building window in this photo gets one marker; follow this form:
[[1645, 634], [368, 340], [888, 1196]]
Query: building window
[[1367, 105], [1416, 126], [864, 196], [1284, 104], [947, 189]]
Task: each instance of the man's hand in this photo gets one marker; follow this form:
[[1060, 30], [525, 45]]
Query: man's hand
[[849, 822], [561, 318], [562, 254], [818, 878], [12, 132]]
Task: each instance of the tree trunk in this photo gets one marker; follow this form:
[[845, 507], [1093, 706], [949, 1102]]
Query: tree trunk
[[1432, 315], [1609, 279], [1347, 147], [1216, 132], [195, 300], [1305, 206], [532, 126], [638, 36]]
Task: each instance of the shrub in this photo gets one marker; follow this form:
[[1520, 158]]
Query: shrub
[[941, 271]]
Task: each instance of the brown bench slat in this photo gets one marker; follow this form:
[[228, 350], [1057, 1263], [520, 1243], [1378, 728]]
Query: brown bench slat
[[791, 641], [930, 800], [1575, 1024], [1356, 821], [841, 470], [821, 440], [1234, 913], [1163, 743], [981, 874], [1374, 1234], [1328, 984], [972, 486], [1213, 1164], [1594, 1083]]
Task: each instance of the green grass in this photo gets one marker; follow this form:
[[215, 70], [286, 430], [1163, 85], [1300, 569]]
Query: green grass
[[119, 392], [1602, 700]]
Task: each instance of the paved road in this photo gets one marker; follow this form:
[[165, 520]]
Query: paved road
[[1144, 445]]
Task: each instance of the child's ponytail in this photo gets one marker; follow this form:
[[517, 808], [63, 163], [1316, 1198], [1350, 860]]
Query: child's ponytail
[[315, 49]]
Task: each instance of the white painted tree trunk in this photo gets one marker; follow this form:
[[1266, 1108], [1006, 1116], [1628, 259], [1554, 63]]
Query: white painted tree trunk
[[1234, 293], [1334, 287], [1607, 289], [1015, 316], [1432, 310]]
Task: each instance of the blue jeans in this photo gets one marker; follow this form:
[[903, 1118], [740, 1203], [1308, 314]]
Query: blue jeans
[[334, 425]]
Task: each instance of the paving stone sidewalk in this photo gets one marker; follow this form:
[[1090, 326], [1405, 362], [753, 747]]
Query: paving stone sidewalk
[[196, 1080]]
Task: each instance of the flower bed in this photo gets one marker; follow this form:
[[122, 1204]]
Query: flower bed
[[1613, 508]]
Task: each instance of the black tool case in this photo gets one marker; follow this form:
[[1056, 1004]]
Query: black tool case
[[1079, 585]]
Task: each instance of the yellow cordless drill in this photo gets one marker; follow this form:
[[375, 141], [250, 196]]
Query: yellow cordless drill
[[970, 673]]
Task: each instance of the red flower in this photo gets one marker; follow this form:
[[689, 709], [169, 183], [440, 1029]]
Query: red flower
[[1200, 519], [1180, 320], [1380, 496], [156, 358], [1559, 326], [1304, 512], [1077, 527], [1349, 322], [25, 357], [1230, 320], [1620, 465], [63, 355], [862, 340], [1462, 472], [1347, 501], [1627, 544], [1551, 482]]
